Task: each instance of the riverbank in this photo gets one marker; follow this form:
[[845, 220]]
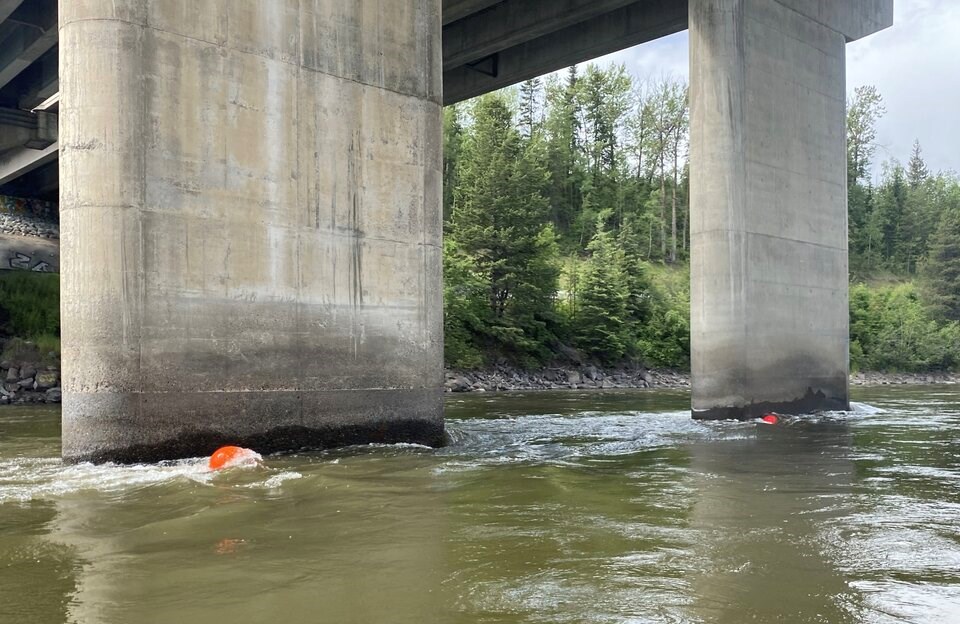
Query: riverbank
[[25, 383], [28, 375], [30, 382], [505, 379]]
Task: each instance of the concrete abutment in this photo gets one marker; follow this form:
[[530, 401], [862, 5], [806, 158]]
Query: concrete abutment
[[251, 225], [768, 192]]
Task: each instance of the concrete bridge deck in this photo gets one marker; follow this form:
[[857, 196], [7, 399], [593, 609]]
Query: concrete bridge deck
[[486, 45], [250, 201]]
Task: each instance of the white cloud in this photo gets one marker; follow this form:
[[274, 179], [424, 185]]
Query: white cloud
[[915, 65], [666, 57]]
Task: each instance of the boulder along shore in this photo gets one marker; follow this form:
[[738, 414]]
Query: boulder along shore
[[505, 379], [26, 382]]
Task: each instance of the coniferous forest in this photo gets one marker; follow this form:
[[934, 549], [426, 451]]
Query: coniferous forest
[[566, 231]]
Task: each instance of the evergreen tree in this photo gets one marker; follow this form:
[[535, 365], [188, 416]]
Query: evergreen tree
[[918, 219], [498, 222], [917, 172], [600, 324], [943, 267], [859, 206], [563, 156], [529, 106], [636, 281], [887, 219]]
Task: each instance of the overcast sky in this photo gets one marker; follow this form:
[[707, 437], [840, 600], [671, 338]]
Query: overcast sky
[[915, 65]]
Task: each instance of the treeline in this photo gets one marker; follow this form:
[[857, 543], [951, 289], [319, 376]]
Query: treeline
[[565, 200], [904, 237], [566, 231]]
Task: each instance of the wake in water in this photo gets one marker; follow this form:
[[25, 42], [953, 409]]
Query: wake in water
[[863, 409], [27, 479], [538, 439]]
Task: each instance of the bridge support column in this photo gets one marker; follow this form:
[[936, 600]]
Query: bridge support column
[[769, 310], [251, 223]]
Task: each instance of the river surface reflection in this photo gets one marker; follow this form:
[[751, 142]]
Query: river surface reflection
[[607, 506]]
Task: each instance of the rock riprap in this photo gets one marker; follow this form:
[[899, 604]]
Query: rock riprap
[[24, 382]]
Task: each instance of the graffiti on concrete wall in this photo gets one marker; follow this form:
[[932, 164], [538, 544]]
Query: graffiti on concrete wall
[[25, 262], [29, 235], [26, 253]]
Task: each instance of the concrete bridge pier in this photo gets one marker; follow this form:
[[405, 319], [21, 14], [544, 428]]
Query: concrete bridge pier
[[250, 215], [768, 191]]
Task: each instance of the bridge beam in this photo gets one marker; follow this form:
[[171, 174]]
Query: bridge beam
[[768, 193], [454, 10], [7, 7], [250, 221], [608, 32], [44, 84], [511, 23], [34, 33], [19, 161]]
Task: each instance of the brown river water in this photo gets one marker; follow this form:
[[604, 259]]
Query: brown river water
[[546, 507]]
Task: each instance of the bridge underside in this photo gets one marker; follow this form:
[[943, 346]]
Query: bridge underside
[[506, 42], [250, 201], [28, 78]]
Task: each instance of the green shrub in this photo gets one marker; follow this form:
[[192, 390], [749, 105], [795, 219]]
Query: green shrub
[[29, 304], [892, 329]]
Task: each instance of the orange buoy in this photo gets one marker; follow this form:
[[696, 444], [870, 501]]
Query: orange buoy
[[770, 419], [230, 456]]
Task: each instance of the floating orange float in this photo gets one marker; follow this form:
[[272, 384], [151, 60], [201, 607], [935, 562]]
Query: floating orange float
[[770, 419], [229, 456]]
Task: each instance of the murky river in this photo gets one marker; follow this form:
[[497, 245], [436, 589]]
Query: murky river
[[547, 507]]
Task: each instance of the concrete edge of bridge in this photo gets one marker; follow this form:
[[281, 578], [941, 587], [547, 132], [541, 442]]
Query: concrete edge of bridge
[[811, 402], [130, 428]]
